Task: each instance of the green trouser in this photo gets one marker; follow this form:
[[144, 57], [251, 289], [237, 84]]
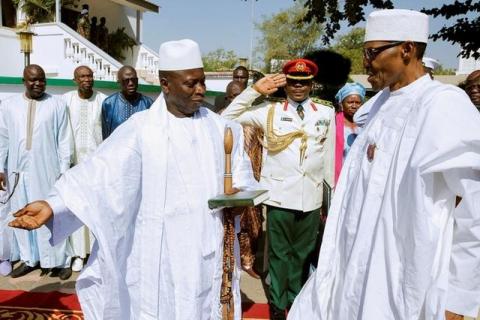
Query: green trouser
[[292, 239]]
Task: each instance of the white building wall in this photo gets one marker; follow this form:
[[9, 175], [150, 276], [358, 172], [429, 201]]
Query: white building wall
[[117, 16], [53, 50], [12, 59], [49, 52], [467, 66]]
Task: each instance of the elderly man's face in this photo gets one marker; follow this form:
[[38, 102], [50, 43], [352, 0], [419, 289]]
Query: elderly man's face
[[240, 75], [84, 79], [128, 81], [185, 90], [384, 65], [35, 82]]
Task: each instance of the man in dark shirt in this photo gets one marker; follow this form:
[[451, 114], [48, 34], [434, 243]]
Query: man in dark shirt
[[120, 106]]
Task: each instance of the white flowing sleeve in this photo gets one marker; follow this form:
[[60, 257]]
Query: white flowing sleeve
[[464, 280], [3, 136], [329, 159], [63, 222], [452, 145], [104, 191], [64, 138]]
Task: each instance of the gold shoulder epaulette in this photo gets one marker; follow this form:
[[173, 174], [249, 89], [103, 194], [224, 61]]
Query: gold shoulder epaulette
[[323, 102]]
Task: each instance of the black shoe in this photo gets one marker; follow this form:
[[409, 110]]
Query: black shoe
[[45, 271], [276, 313], [65, 273], [22, 270]]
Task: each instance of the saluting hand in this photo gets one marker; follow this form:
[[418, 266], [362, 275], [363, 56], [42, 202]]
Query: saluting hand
[[270, 84], [32, 216]]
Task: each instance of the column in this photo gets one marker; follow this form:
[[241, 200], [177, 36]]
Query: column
[[58, 11]]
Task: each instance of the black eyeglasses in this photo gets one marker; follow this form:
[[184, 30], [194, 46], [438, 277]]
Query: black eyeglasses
[[371, 53]]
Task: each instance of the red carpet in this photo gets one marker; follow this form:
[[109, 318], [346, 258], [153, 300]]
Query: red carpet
[[55, 305]]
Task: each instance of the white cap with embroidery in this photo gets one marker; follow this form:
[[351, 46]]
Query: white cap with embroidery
[[397, 25], [179, 55]]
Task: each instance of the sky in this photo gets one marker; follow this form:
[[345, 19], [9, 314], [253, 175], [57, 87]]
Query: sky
[[227, 24]]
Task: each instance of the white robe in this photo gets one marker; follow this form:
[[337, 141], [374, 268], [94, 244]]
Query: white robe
[[86, 124], [6, 234], [39, 167], [158, 253], [394, 247]]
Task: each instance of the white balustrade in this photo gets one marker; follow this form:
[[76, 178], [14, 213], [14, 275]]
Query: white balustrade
[[68, 48], [80, 54]]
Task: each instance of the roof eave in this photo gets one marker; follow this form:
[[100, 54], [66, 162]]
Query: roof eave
[[141, 5]]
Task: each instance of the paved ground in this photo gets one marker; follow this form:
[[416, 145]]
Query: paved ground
[[253, 290]]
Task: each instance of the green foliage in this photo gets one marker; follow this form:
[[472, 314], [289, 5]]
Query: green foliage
[[287, 35], [37, 10], [350, 46], [220, 60], [464, 31], [118, 42], [443, 72]]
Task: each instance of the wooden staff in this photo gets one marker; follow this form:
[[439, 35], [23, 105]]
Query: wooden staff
[[228, 146], [226, 294]]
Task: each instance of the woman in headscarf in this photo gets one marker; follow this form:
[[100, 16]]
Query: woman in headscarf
[[349, 98]]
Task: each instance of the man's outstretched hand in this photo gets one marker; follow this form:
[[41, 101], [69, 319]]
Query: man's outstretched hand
[[33, 216]]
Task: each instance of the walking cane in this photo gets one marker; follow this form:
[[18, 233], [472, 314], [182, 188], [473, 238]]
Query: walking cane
[[226, 295]]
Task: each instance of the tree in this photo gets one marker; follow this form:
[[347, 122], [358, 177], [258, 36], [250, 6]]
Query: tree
[[286, 35], [464, 31], [350, 46], [220, 60], [441, 71], [39, 10]]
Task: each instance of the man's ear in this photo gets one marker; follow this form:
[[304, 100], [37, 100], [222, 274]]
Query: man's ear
[[408, 50], [164, 84]]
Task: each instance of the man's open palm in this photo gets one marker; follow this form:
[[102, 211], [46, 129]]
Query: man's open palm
[[33, 216]]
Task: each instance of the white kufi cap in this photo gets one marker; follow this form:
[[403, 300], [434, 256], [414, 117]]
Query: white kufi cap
[[430, 63], [397, 25], [179, 55]]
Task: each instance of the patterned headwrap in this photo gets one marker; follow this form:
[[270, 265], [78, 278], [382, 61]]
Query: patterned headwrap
[[349, 89]]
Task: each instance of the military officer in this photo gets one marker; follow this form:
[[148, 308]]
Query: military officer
[[299, 142]]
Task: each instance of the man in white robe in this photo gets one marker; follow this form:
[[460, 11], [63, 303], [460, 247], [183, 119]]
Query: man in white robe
[[143, 194], [394, 246], [85, 111], [35, 143]]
